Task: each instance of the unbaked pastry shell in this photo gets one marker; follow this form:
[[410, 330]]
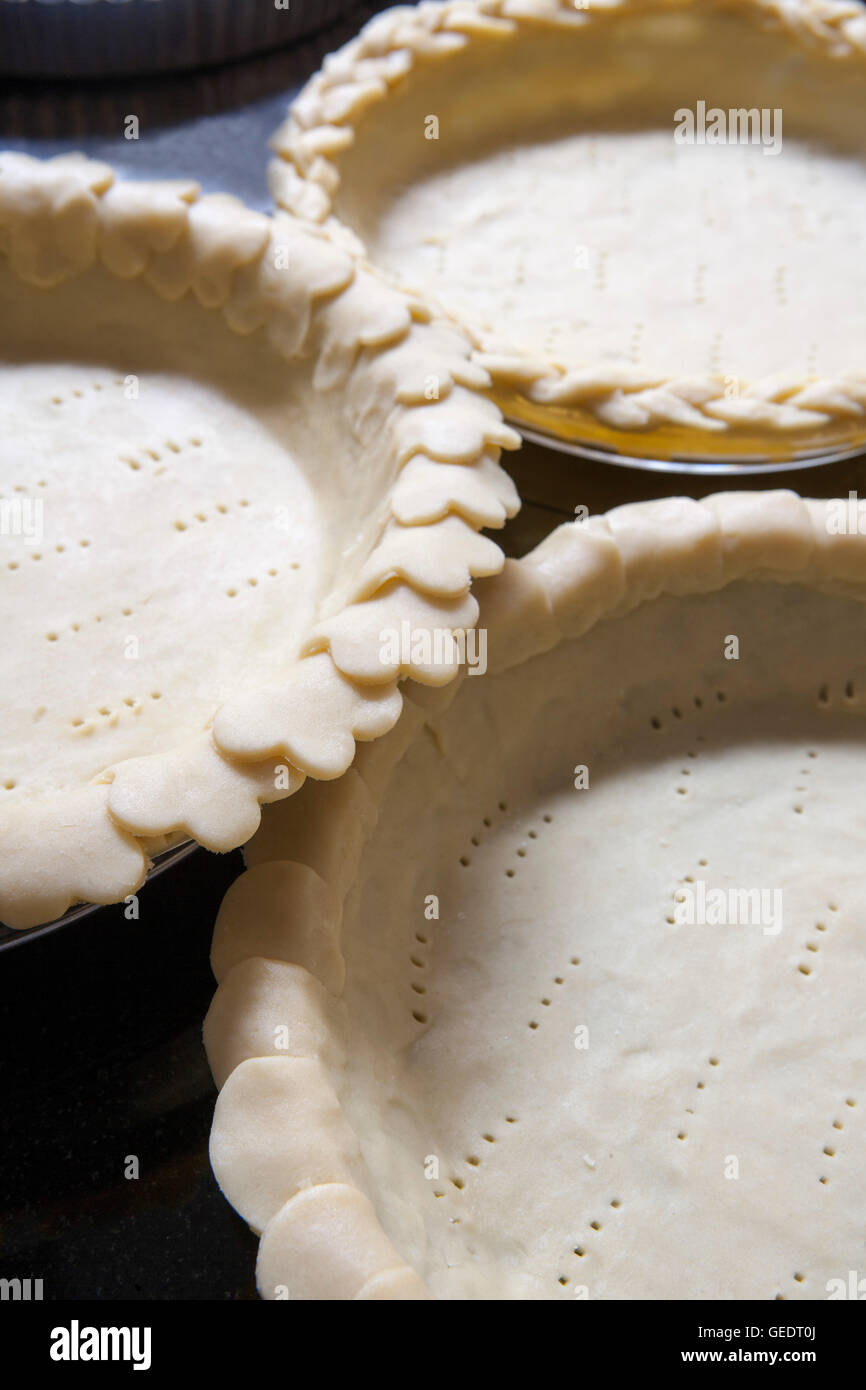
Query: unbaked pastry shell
[[248, 458], [308, 1023], [625, 290]]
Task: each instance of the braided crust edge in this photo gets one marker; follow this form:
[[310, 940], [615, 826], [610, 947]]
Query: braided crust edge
[[321, 125]]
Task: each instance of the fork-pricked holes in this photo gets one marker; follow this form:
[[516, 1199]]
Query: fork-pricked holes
[[806, 967], [546, 1000], [830, 1149]]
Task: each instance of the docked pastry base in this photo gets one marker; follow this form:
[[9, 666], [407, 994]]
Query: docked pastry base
[[236, 458], [519, 164], [558, 993]]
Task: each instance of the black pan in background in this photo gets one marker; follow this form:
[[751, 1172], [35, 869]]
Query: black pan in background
[[116, 38]]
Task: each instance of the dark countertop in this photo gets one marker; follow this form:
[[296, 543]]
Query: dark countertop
[[100, 1035]]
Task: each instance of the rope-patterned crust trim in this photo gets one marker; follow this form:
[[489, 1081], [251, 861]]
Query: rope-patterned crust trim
[[277, 955], [321, 125], [60, 218]]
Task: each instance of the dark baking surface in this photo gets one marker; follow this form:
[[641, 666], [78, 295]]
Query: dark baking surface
[[100, 1035], [100, 1022]]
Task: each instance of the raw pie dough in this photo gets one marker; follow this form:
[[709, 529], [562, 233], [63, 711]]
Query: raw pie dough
[[466, 1046], [516, 161], [230, 458]]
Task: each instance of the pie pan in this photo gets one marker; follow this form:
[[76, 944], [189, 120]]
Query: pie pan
[[106, 38], [558, 993], [231, 459], [160, 862], [646, 213]]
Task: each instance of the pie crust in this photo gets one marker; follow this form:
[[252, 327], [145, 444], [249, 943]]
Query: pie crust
[[231, 458], [466, 1048], [516, 161]]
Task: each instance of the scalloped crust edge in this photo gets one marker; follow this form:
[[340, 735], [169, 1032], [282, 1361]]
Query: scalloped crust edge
[[416, 386], [285, 915], [305, 177]]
